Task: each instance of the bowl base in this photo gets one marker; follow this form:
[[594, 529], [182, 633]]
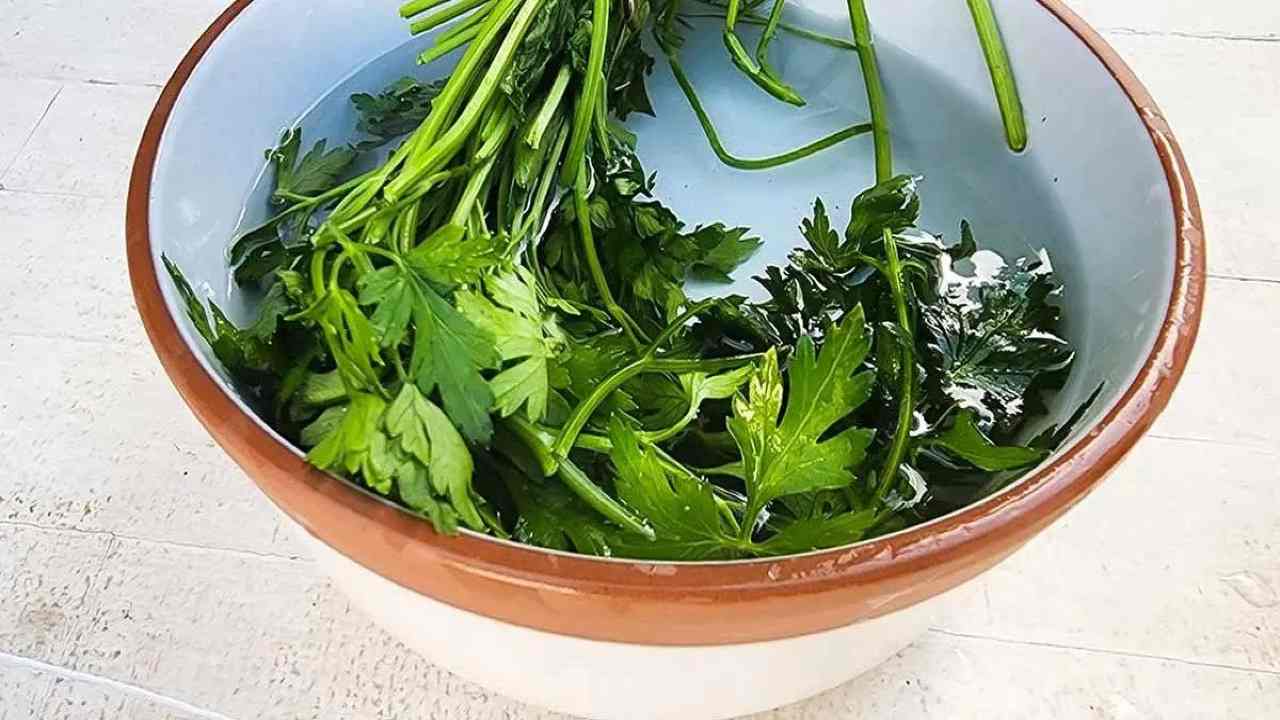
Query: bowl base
[[622, 681]]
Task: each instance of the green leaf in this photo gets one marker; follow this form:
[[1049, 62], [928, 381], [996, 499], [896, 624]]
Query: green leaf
[[695, 389], [317, 390], [893, 205], [823, 238], [406, 423], [991, 338], [522, 384], [314, 173], [275, 304], [397, 110], [811, 534], [965, 440], [722, 250], [543, 42], [525, 334], [357, 445], [351, 338], [243, 353], [391, 291], [433, 452], [552, 517], [325, 424], [791, 456], [681, 508], [449, 351], [450, 257], [451, 465]]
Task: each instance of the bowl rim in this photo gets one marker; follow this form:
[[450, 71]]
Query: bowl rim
[[665, 603]]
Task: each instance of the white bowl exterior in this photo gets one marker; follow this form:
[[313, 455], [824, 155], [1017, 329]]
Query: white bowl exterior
[[1090, 188], [622, 681]]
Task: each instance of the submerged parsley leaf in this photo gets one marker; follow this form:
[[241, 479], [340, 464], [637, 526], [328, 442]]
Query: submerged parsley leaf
[[966, 441], [397, 110], [785, 453], [720, 250], [314, 173], [992, 338]]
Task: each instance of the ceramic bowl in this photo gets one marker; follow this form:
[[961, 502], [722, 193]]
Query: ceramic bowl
[[1102, 186]]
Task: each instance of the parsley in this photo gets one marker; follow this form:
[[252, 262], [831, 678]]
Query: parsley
[[491, 326]]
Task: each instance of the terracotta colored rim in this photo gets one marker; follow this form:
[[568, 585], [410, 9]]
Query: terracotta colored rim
[[668, 603]]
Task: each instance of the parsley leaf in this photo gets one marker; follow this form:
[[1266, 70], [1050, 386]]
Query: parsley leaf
[[397, 110], [786, 453], [314, 173], [449, 256], [357, 445], [449, 351], [681, 508], [429, 442], [525, 335], [720, 250], [809, 534], [966, 441], [992, 337]]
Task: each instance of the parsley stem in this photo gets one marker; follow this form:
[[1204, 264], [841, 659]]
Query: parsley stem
[[585, 409], [875, 89], [764, 163], [748, 18], [471, 192], [450, 41], [446, 103], [535, 438], [592, 494], [583, 211], [600, 124], [767, 35], [415, 7], [435, 155], [538, 128], [676, 325], [437, 19], [589, 95], [470, 22], [1002, 80], [537, 210], [759, 74], [906, 371], [304, 202]]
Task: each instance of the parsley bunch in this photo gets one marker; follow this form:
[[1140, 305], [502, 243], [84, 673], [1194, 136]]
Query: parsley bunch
[[491, 326]]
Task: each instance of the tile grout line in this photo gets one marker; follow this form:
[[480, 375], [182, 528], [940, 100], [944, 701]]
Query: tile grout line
[[129, 689], [36, 126], [114, 536], [25, 335], [70, 79], [1190, 35], [1244, 278], [1104, 651], [50, 193], [1261, 449]]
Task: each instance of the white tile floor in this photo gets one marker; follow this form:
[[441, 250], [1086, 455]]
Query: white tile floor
[[117, 512]]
